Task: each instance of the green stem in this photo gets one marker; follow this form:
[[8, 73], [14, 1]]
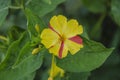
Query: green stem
[[20, 5], [15, 7], [52, 66]]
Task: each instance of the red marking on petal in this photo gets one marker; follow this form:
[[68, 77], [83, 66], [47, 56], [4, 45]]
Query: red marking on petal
[[51, 46], [76, 39], [53, 29], [61, 49]]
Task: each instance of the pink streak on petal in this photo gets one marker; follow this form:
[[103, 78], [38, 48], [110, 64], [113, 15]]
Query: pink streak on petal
[[53, 29], [76, 39], [61, 49]]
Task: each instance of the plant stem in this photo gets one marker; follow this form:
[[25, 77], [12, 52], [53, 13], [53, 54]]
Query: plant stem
[[15, 7]]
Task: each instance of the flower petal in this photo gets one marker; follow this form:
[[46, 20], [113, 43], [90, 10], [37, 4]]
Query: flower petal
[[55, 71], [73, 47], [49, 38], [59, 50], [73, 28], [58, 23], [58, 70], [76, 39], [63, 50], [55, 49]]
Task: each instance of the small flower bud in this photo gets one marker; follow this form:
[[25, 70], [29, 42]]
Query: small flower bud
[[35, 51], [37, 28]]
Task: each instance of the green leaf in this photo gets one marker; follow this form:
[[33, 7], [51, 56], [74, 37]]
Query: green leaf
[[41, 8], [32, 21], [79, 76], [47, 1], [92, 56], [115, 10], [29, 76], [4, 4], [14, 33], [27, 66], [13, 51], [20, 62], [96, 6], [1, 56], [96, 31], [22, 54], [110, 73]]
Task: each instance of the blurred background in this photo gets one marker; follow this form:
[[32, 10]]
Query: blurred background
[[101, 22]]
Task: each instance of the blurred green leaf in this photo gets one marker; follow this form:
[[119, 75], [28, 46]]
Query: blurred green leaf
[[47, 1], [92, 56], [95, 32], [22, 54], [73, 6], [19, 61], [3, 45], [41, 8], [96, 6], [115, 10], [1, 56], [107, 73], [116, 38], [32, 21], [4, 4], [14, 33], [29, 76], [79, 76], [13, 51]]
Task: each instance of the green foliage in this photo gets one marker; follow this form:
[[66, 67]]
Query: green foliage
[[12, 52], [4, 5], [13, 31], [47, 1], [28, 77], [1, 56], [18, 60], [93, 62], [96, 6], [115, 10], [32, 21], [87, 59], [42, 8], [79, 76]]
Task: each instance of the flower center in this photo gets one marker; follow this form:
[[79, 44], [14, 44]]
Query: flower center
[[62, 38]]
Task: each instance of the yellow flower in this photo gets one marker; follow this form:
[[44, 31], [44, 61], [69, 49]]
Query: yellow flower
[[55, 70], [62, 36]]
